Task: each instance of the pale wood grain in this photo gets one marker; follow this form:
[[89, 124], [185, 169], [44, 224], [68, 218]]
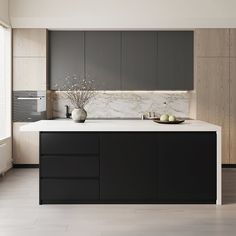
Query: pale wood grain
[[212, 42], [29, 73], [25, 145], [213, 96], [233, 42], [233, 110], [29, 42]]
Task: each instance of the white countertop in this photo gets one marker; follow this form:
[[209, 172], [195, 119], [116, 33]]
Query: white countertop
[[117, 125]]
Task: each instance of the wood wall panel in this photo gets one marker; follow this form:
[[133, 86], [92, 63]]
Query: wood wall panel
[[233, 42], [29, 73], [232, 110], [212, 42], [25, 145], [213, 96], [29, 42]]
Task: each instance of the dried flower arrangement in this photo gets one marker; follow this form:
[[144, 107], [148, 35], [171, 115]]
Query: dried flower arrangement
[[78, 92]]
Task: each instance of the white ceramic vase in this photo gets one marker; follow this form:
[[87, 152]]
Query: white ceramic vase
[[79, 115]]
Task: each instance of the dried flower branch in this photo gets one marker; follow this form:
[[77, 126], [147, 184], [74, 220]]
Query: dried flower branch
[[78, 91]]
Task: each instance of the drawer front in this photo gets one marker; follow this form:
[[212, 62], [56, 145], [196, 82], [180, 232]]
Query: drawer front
[[69, 143], [69, 166], [66, 190]]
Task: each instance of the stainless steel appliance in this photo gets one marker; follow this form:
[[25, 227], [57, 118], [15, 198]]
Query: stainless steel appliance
[[29, 106]]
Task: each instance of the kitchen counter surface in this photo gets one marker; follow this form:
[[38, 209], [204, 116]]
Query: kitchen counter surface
[[118, 125]]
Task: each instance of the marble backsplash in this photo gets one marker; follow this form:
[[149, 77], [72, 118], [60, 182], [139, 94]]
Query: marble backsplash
[[132, 104]]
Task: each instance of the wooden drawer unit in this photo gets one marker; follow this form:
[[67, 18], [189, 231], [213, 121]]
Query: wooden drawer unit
[[69, 190], [68, 143], [69, 166]]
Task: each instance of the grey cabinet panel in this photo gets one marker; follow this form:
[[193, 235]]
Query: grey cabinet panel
[[66, 56], [139, 56], [175, 60], [103, 59], [129, 60]]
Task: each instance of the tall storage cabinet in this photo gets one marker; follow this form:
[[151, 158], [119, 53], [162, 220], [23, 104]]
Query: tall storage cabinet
[[29, 74], [175, 60], [215, 74], [232, 96]]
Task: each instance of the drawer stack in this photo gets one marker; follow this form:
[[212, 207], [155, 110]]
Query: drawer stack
[[69, 167]]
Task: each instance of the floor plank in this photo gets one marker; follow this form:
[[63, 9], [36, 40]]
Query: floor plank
[[20, 213]]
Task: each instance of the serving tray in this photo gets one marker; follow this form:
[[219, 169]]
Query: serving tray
[[177, 121]]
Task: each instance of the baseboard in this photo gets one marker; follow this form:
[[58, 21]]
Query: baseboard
[[4, 171], [25, 165], [228, 165]]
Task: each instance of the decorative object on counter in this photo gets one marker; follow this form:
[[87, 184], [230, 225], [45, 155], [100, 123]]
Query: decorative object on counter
[[79, 115], [149, 116], [168, 119], [79, 94]]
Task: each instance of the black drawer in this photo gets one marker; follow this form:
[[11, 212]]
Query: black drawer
[[69, 143], [69, 190], [69, 166]]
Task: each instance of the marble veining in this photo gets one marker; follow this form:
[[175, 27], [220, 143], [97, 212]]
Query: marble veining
[[132, 104]]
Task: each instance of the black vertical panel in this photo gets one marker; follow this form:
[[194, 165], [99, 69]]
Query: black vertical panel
[[128, 167], [139, 58], [175, 60], [66, 56], [103, 59], [187, 167]]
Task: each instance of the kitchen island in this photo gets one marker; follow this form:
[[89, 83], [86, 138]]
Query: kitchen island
[[128, 161]]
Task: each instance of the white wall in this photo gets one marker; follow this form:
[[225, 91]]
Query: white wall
[[4, 19], [120, 14]]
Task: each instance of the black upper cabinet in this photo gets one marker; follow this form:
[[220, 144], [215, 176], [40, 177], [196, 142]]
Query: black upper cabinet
[[175, 60], [139, 56], [128, 60], [66, 57], [103, 58], [128, 164]]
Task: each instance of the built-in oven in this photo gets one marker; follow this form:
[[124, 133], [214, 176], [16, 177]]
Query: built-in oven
[[29, 106]]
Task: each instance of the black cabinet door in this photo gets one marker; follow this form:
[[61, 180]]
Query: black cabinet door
[[139, 56], [175, 60], [66, 57], [103, 59], [187, 167], [128, 165], [68, 143], [69, 190]]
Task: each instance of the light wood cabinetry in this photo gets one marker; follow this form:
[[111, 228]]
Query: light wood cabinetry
[[233, 96], [232, 42], [212, 42], [25, 145], [29, 59], [29, 73], [233, 110], [215, 76], [29, 42], [213, 96]]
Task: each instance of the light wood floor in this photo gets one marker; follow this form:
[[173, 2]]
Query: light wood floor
[[21, 215]]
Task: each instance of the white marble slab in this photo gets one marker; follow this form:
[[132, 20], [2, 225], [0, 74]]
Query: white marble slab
[[129, 104], [117, 125]]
